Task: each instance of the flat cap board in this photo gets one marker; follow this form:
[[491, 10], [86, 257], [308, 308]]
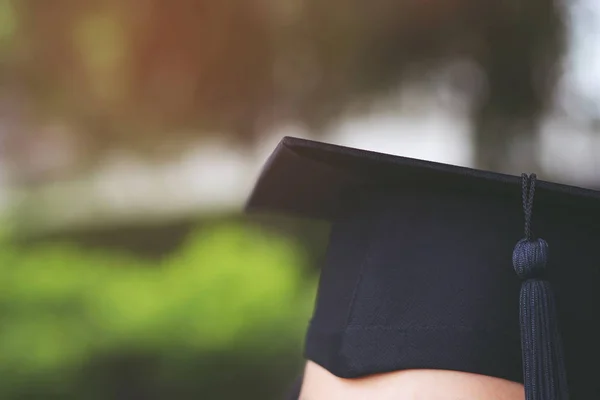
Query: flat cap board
[[306, 178]]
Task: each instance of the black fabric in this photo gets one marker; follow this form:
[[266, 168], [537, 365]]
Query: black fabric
[[420, 281], [426, 291], [419, 268]]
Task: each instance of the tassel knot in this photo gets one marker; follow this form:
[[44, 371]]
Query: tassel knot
[[530, 257]]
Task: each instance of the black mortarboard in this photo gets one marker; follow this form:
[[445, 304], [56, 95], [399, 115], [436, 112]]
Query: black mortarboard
[[443, 267]]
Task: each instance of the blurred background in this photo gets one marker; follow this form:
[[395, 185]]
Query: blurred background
[[131, 133]]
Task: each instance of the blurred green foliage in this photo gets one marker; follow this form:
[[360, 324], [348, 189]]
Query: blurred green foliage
[[230, 293]]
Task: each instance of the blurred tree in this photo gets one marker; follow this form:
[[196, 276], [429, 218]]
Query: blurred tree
[[366, 48], [152, 75]]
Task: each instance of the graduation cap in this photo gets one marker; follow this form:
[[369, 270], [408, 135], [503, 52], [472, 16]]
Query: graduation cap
[[442, 267]]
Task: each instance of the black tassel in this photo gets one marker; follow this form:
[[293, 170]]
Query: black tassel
[[543, 364]]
